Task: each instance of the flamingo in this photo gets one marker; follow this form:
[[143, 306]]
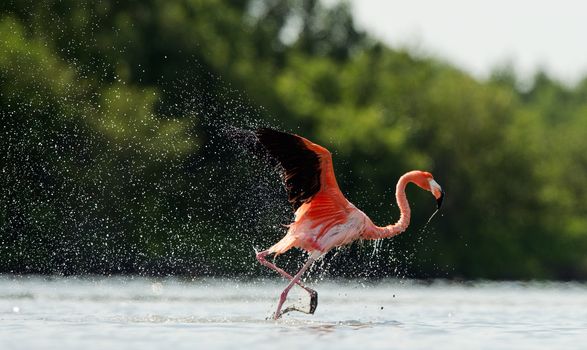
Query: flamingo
[[324, 218]]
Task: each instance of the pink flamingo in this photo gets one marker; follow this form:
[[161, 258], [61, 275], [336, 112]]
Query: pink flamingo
[[324, 218]]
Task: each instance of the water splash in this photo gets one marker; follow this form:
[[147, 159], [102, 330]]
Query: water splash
[[430, 219]]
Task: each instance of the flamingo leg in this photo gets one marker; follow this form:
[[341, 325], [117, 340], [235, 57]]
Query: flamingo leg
[[261, 258], [313, 294], [294, 280]]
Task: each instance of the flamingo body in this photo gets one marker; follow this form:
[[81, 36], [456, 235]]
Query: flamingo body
[[322, 225]]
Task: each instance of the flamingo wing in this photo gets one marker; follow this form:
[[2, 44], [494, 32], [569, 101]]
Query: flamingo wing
[[307, 166]]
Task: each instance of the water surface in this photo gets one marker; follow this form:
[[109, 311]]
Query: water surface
[[147, 313]]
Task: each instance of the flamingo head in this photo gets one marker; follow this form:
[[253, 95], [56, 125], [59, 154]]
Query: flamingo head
[[425, 181]]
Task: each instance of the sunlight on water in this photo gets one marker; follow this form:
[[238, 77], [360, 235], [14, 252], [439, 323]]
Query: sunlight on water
[[99, 313]]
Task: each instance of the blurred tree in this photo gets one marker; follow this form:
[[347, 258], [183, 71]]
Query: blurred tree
[[115, 117]]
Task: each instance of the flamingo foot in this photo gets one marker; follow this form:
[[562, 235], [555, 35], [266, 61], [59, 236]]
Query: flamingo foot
[[310, 311], [313, 300]]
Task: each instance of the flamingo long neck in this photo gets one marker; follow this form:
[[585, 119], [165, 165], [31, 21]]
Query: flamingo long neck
[[404, 219]]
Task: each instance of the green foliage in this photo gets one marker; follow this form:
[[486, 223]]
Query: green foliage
[[101, 109]]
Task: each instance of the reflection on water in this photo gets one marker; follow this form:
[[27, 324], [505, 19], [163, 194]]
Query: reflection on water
[[98, 313]]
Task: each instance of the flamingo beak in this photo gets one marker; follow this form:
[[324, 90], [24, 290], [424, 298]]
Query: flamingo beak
[[439, 199], [438, 192]]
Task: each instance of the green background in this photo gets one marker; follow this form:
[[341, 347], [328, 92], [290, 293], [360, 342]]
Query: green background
[[121, 153]]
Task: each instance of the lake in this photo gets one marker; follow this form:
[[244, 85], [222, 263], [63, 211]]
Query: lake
[[150, 313]]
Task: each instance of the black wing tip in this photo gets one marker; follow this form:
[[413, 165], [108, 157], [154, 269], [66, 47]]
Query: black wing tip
[[270, 137], [265, 130], [301, 165]]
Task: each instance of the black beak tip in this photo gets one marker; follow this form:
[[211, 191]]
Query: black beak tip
[[440, 199]]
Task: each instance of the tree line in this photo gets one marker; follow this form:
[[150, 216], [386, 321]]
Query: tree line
[[121, 152]]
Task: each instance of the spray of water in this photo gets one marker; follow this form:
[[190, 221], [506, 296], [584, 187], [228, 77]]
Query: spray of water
[[429, 219], [85, 193]]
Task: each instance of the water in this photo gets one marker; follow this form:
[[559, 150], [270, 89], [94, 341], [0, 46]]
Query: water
[[142, 313]]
